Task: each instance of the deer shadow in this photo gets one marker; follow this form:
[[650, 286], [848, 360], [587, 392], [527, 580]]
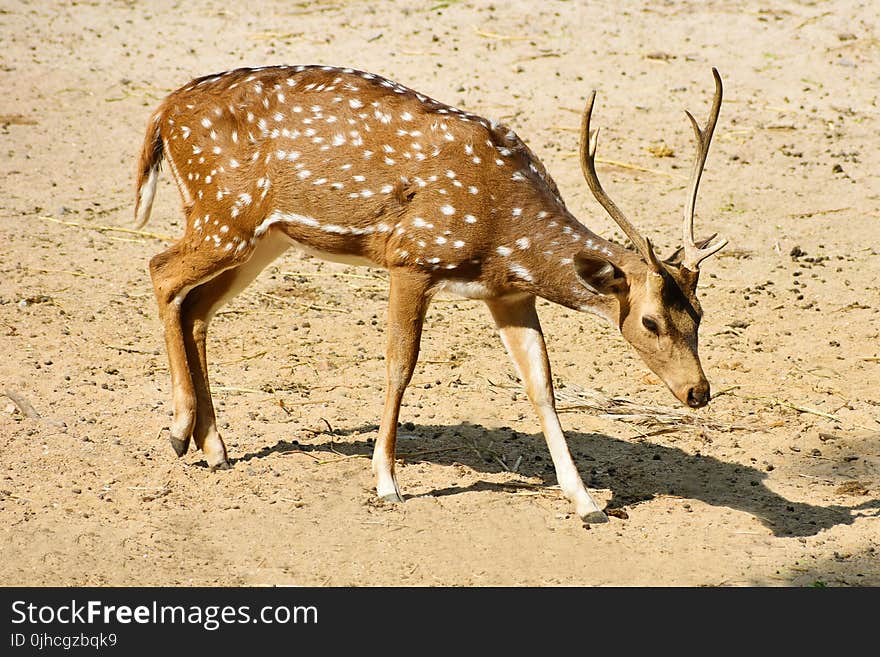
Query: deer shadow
[[634, 471]]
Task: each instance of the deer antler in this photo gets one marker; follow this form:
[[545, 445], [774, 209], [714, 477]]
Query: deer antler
[[694, 255], [588, 165]]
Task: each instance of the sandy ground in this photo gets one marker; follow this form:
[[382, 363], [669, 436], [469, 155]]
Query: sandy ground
[[775, 483]]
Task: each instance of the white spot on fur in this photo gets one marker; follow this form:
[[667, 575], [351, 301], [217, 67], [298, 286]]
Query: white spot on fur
[[521, 272]]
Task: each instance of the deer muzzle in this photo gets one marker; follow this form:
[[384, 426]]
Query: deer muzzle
[[695, 396]]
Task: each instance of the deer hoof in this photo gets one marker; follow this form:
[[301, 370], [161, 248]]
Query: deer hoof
[[394, 498], [594, 518], [179, 446]]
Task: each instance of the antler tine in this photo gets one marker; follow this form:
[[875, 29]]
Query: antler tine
[[693, 255], [588, 142]]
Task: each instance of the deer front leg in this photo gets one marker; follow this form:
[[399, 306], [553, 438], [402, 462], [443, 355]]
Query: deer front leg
[[407, 304], [521, 334]]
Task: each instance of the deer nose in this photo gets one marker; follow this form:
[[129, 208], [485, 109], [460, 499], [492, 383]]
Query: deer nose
[[698, 395]]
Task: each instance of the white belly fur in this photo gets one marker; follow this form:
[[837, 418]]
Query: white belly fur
[[341, 258], [467, 289], [266, 251]]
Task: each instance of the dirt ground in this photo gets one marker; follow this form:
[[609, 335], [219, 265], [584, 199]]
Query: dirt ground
[[775, 483]]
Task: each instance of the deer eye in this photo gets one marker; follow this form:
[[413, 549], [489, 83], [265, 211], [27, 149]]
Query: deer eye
[[651, 324]]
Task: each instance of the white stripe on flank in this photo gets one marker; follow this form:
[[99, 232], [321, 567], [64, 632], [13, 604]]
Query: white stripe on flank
[[293, 218], [284, 217]]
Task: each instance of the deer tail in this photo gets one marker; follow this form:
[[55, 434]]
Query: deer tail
[[148, 172]]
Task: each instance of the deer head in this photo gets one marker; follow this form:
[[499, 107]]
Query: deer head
[[657, 308]]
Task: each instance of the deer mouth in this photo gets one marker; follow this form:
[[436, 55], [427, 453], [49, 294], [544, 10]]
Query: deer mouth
[[694, 396]]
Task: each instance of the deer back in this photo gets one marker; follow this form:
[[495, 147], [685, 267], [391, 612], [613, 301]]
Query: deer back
[[349, 162]]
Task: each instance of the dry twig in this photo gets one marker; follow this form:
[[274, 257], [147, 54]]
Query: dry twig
[[107, 229], [132, 350], [309, 306], [575, 398], [22, 404], [501, 37]]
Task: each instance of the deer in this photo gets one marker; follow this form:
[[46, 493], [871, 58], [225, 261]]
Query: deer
[[351, 167]]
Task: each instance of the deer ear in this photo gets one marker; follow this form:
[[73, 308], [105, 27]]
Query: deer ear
[[598, 273], [675, 258]]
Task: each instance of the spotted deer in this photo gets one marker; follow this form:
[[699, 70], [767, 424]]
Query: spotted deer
[[352, 167]]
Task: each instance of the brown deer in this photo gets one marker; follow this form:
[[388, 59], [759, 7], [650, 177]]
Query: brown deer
[[352, 167]]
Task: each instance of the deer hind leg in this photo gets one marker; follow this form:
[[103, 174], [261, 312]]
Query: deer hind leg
[[199, 308], [175, 272], [191, 262], [521, 334], [407, 304]]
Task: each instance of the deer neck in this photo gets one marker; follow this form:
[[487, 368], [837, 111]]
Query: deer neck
[[539, 254]]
